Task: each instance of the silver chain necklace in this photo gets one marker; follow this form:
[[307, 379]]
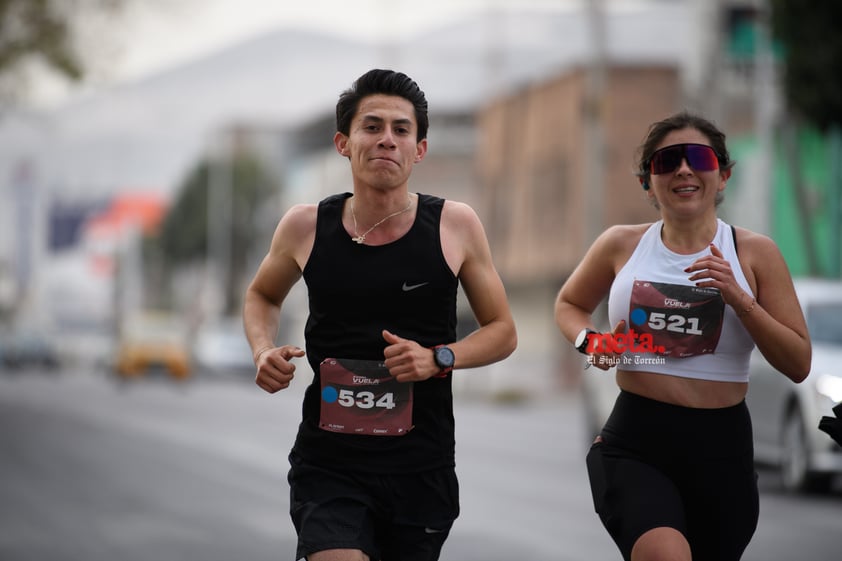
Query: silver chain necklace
[[360, 238]]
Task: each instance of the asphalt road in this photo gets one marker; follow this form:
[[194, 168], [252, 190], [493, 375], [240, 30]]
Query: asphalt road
[[94, 470]]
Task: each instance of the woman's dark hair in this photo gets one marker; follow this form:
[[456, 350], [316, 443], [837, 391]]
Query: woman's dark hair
[[385, 82], [683, 120]]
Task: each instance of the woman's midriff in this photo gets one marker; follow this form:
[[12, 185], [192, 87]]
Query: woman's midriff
[[687, 392]]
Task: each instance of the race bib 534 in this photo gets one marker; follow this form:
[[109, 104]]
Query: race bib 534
[[361, 397]]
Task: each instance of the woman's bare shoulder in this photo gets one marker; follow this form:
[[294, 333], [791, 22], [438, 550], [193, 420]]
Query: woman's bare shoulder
[[628, 229], [760, 257], [754, 246], [621, 237]]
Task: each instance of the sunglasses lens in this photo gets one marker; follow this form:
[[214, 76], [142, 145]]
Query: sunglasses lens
[[700, 157], [666, 159]]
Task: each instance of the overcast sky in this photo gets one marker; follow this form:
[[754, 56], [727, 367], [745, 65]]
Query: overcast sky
[[168, 32], [153, 35]]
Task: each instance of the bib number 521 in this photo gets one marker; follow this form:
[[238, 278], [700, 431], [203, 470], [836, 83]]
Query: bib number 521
[[676, 323]]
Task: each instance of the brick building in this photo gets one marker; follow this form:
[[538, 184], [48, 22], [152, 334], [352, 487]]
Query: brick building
[[548, 190], [533, 172]]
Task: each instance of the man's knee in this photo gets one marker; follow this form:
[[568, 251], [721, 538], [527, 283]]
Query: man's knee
[[338, 555], [661, 544]]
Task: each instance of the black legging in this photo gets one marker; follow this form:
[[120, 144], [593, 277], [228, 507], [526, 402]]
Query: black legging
[[688, 469]]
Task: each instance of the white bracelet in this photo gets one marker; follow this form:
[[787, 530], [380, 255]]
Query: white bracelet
[[259, 353]]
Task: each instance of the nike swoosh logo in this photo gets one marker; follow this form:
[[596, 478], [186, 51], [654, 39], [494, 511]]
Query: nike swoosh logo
[[408, 287], [432, 531]]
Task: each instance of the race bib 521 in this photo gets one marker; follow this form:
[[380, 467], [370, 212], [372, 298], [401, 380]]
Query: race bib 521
[[681, 320]]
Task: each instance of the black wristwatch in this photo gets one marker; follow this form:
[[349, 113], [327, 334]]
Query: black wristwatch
[[444, 358], [582, 339]]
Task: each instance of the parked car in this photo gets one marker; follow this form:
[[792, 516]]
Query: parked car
[[221, 349], [599, 392], [150, 341], [28, 348], [786, 415]]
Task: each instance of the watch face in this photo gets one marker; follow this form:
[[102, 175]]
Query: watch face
[[444, 357], [581, 338], [581, 342]]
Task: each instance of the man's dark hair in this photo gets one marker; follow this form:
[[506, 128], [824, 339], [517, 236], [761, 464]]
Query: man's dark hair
[[385, 82]]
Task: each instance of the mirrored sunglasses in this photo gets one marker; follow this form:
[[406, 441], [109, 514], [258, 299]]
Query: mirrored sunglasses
[[700, 157]]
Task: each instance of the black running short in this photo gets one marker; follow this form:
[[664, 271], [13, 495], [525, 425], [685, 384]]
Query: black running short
[[662, 465], [404, 517]]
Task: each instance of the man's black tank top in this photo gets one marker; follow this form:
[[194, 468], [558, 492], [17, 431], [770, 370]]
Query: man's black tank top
[[355, 291]]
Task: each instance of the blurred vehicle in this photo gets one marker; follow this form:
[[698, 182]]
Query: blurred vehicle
[[27, 348], [599, 392], [785, 416], [221, 348], [153, 340]]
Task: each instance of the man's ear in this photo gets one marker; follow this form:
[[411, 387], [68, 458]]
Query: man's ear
[[420, 150], [341, 143]]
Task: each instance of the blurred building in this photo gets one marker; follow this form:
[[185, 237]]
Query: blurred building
[[533, 164], [548, 191], [535, 117]]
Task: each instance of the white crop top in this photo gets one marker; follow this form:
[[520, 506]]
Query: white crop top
[[679, 329]]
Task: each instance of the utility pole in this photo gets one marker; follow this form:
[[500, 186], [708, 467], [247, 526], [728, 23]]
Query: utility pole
[[219, 223], [765, 114], [706, 90], [594, 114]]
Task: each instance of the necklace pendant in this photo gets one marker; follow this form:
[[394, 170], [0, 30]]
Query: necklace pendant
[[359, 239]]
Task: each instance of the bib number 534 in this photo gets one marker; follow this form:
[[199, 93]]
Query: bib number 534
[[365, 399]]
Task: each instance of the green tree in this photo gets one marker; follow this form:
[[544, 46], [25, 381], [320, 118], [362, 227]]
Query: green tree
[[808, 30], [51, 37], [809, 33], [184, 233]]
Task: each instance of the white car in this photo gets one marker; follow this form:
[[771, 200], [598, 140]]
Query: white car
[[221, 348], [785, 416]]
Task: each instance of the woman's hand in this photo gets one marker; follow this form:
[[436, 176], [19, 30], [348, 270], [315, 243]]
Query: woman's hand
[[605, 359], [714, 271]]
